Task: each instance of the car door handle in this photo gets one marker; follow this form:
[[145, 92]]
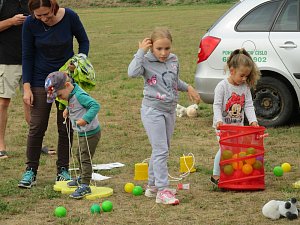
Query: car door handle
[[288, 44]]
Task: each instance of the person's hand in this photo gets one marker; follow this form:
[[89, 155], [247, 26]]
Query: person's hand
[[65, 113], [220, 123], [28, 97], [146, 44], [193, 95], [81, 122], [71, 67], [254, 124], [18, 19]]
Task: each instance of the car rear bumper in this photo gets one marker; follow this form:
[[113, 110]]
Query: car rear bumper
[[206, 80]]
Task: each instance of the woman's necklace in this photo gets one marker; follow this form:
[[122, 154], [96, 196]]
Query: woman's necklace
[[46, 27]]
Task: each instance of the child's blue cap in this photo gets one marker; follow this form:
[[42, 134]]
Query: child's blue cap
[[54, 82]]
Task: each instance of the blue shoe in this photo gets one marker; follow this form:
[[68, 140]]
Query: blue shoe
[[63, 175], [74, 183], [81, 191], [28, 179]]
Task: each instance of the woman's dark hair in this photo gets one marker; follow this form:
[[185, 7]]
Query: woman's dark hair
[[36, 4]]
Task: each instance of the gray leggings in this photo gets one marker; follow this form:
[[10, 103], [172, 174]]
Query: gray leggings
[[159, 127]]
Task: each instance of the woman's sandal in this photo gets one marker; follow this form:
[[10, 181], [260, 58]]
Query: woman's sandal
[[3, 154], [48, 151]]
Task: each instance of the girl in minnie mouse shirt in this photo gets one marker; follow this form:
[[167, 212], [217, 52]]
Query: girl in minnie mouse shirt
[[233, 100]]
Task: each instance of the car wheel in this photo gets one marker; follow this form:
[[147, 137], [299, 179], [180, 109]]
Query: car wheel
[[273, 102]]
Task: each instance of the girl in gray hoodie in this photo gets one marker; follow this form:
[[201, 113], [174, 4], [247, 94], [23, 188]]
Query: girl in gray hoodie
[[160, 70]]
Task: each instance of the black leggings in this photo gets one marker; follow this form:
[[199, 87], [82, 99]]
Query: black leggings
[[40, 113]]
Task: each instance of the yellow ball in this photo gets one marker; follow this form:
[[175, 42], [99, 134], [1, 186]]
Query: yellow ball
[[129, 187], [286, 167]]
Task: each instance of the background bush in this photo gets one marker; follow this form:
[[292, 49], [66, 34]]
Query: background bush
[[117, 3]]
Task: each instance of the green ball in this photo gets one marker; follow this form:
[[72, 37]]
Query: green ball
[[60, 211], [137, 190], [278, 171], [95, 208], [107, 206]]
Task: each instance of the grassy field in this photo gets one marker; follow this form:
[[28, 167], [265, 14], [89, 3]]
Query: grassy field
[[114, 34]]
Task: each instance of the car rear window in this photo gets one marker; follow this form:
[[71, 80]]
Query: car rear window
[[288, 19], [228, 11], [260, 18]]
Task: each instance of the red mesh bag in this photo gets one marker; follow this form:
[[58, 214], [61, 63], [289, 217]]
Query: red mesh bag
[[242, 157]]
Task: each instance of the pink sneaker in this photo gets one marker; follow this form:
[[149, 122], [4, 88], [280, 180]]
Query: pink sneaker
[[166, 197], [151, 191]]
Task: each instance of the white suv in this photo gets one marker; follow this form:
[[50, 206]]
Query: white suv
[[270, 31]]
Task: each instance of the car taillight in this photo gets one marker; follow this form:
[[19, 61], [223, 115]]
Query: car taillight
[[207, 46]]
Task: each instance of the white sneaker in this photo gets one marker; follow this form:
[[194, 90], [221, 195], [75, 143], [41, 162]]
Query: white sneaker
[[166, 197], [151, 191]]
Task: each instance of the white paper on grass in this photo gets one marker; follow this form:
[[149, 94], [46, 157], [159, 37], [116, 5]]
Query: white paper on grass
[[107, 166], [104, 166], [99, 177]]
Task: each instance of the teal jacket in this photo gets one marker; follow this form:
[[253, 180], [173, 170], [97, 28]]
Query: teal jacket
[[81, 105]]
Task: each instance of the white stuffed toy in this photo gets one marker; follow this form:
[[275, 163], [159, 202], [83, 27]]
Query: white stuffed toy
[[180, 111], [276, 209], [190, 111]]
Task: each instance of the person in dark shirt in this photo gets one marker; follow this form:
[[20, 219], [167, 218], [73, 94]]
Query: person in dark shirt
[[47, 44], [12, 15]]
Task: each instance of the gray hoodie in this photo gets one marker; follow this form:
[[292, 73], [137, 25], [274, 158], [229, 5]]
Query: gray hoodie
[[161, 80]]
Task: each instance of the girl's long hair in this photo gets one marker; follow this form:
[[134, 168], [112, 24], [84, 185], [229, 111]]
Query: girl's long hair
[[240, 57]]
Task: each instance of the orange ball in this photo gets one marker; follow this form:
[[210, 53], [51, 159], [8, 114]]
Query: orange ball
[[237, 165], [250, 161], [247, 169]]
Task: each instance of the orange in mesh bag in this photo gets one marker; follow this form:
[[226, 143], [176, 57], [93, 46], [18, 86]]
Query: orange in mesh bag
[[242, 157]]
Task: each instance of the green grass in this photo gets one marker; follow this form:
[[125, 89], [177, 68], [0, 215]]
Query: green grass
[[114, 34]]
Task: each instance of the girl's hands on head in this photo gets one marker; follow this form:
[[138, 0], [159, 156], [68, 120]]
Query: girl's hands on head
[[193, 95], [146, 44]]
